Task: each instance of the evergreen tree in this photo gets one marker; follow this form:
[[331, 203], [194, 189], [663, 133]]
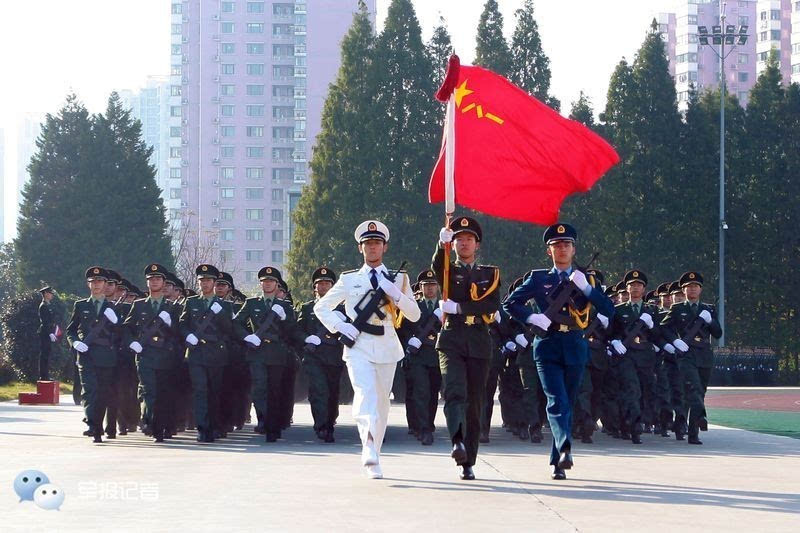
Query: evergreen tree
[[530, 66], [582, 111], [491, 49], [440, 48], [343, 161]]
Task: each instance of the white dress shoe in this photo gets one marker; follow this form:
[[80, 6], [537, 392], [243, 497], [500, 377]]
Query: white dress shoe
[[369, 456], [374, 471]]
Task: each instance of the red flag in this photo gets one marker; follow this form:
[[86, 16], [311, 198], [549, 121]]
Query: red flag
[[514, 156]]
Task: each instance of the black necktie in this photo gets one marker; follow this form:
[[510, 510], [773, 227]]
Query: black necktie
[[373, 278], [563, 276], [430, 306]]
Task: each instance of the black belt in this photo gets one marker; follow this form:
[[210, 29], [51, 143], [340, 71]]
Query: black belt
[[372, 329], [562, 328], [465, 320]]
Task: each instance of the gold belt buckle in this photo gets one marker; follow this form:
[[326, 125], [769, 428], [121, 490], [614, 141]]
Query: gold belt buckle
[[563, 328], [469, 320], [431, 337], [698, 338], [637, 340]]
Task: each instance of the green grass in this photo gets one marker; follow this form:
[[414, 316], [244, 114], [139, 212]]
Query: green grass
[[781, 423], [11, 390]]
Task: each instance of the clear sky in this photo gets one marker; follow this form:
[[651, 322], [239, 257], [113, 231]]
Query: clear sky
[[92, 47]]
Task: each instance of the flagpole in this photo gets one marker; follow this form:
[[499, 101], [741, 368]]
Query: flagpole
[[449, 187]]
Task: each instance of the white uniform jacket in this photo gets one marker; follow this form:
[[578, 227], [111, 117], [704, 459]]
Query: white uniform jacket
[[350, 288]]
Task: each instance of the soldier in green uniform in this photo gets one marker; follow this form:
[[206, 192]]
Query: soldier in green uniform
[[46, 332], [679, 405], [223, 288], [151, 332], [90, 332], [128, 381], [422, 361], [633, 334], [287, 394], [322, 358], [123, 360], [688, 326], [204, 326], [464, 344], [665, 370], [268, 325]]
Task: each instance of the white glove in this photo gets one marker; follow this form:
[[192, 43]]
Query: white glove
[[79, 346], [539, 320], [313, 339], [680, 345], [53, 337], [497, 317], [279, 311], [163, 315], [521, 340], [669, 348], [135, 346], [191, 339], [216, 308], [445, 235], [618, 346], [656, 348], [415, 342], [511, 347], [389, 288], [603, 320], [111, 315], [438, 313], [253, 339], [348, 330], [579, 279], [705, 315], [341, 316], [608, 352], [448, 307], [647, 319]]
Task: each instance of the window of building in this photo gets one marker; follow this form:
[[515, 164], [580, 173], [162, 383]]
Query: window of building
[[797, 6], [693, 19], [227, 90], [762, 56], [226, 27], [226, 192], [255, 110], [177, 9], [177, 29], [255, 90], [255, 27], [226, 7], [175, 90], [175, 111], [744, 20], [763, 15], [175, 172], [176, 193], [227, 131], [254, 234], [254, 255], [255, 69], [282, 29], [254, 214], [176, 50], [775, 35], [283, 91], [796, 69], [255, 7], [226, 152], [174, 131], [250, 276], [775, 14], [227, 48], [282, 112], [254, 152], [743, 59], [277, 256], [254, 193], [225, 256], [226, 173], [226, 234], [277, 215], [176, 70], [255, 48], [743, 77], [282, 9], [226, 110], [226, 213], [254, 172], [255, 131], [281, 154], [277, 195], [228, 68], [175, 151], [282, 71], [277, 235]]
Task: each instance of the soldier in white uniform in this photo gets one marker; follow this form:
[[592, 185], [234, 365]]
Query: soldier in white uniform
[[372, 359]]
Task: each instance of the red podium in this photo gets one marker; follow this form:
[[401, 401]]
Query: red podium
[[46, 394]]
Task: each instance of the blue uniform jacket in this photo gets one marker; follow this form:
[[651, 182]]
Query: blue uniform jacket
[[569, 348]]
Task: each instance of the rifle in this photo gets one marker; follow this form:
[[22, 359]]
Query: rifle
[[88, 339], [694, 329], [153, 327], [592, 334], [563, 294], [633, 331], [423, 333], [205, 321], [369, 305], [262, 329], [322, 332]]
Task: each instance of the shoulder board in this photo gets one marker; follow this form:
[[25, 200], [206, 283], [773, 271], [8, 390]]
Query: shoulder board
[[348, 272], [195, 297], [621, 305], [489, 266], [140, 300], [82, 300], [536, 272]]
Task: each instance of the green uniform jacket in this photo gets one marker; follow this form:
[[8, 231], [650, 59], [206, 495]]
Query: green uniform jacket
[[426, 355], [277, 341], [158, 348], [45, 320], [641, 352], [477, 291], [212, 350], [330, 351], [102, 351], [679, 319]]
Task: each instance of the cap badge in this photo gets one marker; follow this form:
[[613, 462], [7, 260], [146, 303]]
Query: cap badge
[[561, 229], [204, 268], [635, 274], [464, 222], [323, 271], [153, 268], [691, 275], [372, 226]]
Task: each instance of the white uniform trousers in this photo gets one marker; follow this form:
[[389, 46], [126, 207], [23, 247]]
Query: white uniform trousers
[[372, 384]]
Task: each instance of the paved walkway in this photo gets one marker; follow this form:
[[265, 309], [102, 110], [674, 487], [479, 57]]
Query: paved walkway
[[738, 480]]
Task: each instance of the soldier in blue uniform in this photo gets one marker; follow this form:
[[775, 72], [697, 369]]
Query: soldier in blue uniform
[[561, 354]]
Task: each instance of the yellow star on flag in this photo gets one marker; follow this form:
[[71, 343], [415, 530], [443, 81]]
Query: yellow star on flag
[[461, 92]]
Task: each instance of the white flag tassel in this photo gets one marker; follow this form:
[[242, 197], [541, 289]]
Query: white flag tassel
[[450, 157]]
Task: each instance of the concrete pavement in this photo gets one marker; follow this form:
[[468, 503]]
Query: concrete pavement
[[737, 480]]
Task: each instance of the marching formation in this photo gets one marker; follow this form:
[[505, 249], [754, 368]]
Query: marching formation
[[565, 350]]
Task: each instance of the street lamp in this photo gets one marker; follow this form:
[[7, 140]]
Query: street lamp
[[723, 34]]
